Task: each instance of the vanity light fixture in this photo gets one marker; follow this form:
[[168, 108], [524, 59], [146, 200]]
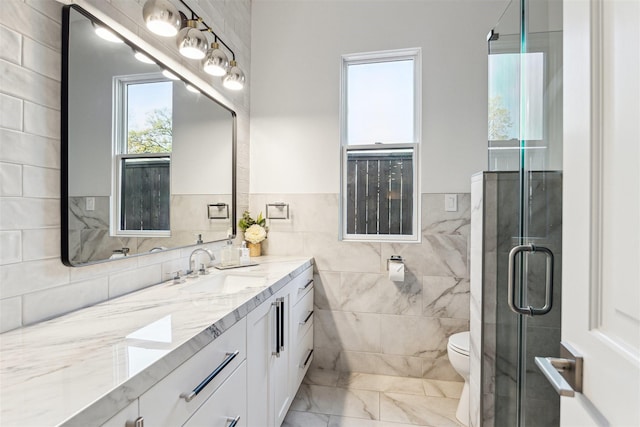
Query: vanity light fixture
[[162, 17], [191, 42], [191, 88], [168, 74], [216, 61], [106, 34], [234, 79], [143, 58]]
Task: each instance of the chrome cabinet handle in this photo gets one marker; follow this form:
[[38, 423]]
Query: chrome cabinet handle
[[229, 357], [511, 291], [306, 319], [307, 285], [138, 422], [233, 421], [304, 365], [276, 304]]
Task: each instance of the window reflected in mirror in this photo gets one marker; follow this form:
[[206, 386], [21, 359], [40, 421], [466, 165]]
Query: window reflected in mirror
[[142, 163]]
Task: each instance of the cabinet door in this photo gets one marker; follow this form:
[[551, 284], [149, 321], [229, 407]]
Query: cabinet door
[[226, 405], [280, 371], [260, 345], [269, 352]]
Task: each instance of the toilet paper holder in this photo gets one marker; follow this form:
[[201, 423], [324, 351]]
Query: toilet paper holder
[[395, 258]]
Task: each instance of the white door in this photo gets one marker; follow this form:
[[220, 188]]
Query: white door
[[601, 219]]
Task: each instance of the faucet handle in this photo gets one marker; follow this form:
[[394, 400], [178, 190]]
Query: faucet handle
[[203, 270], [177, 278], [191, 272]]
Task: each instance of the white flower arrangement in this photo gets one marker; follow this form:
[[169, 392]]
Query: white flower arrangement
[[255, 234], [255, 230]]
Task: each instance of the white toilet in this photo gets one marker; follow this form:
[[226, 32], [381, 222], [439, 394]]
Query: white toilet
[[458, 351]]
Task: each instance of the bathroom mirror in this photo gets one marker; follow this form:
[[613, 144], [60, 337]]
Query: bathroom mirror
[[148, 160]]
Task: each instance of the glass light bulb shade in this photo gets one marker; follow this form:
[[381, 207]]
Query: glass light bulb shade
[[168, 74], [106, 34], [234, 80], [162, 17], [143, 58], [215, 62], [191, 88], [192, 43]]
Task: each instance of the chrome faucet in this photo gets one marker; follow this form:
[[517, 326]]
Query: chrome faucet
[[192, 267]]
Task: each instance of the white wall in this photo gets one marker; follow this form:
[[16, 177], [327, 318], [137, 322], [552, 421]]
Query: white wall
[[296, 48], [90, 107], [201, 162]]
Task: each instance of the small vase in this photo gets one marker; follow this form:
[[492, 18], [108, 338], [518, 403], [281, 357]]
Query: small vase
[[255, 249]]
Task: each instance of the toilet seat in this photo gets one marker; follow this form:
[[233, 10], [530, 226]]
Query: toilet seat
[[460, 343]]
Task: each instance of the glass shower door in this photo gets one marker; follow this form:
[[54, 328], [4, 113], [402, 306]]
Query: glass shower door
[[525, 152]]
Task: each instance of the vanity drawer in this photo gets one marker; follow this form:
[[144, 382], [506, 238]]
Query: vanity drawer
[[228, 403], [302, 358], [302, 318], [165, 404], [303, 284]]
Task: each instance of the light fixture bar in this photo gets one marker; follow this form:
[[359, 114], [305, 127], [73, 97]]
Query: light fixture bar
[[192, 43], [208, 29]]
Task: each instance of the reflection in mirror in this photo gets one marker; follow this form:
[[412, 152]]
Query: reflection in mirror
[[144, 156]]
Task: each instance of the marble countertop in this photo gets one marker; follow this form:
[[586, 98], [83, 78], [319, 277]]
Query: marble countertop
[[84, 367]]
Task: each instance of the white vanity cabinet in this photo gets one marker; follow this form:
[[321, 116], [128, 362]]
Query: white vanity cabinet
[[302, 334], [273, 347], [207, 371], [177, 397]]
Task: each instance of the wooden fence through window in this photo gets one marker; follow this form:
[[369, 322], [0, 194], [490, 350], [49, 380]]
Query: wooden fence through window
[[379, 193]]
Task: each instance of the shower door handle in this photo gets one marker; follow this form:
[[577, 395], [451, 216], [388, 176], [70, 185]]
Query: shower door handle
[[511, 291]]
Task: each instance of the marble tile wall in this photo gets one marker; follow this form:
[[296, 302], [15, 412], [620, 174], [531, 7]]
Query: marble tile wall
[[90, 240], [497, 214], [364, 322], [31, 272]]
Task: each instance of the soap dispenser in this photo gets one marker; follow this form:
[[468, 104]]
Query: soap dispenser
[[229, 255], [244, 254], [226, 254]]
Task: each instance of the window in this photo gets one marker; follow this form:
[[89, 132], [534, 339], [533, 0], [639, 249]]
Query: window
[[380, 132], [142, 161]]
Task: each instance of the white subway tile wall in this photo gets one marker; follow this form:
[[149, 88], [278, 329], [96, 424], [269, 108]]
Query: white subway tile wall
[[34, 284]]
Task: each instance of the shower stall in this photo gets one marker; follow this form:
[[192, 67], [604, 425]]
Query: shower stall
[[516, 247]]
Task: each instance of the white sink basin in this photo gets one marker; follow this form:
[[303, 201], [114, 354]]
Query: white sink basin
[[223, 283]]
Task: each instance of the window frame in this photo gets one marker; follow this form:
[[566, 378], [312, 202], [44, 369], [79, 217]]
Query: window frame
[[414, 54], [120, 152]]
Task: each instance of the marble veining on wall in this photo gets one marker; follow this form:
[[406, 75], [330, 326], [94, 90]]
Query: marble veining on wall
[[90, 237], [494, 326], [365, 322]]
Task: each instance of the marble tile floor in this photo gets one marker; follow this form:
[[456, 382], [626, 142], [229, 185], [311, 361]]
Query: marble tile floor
[[342, 399]]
